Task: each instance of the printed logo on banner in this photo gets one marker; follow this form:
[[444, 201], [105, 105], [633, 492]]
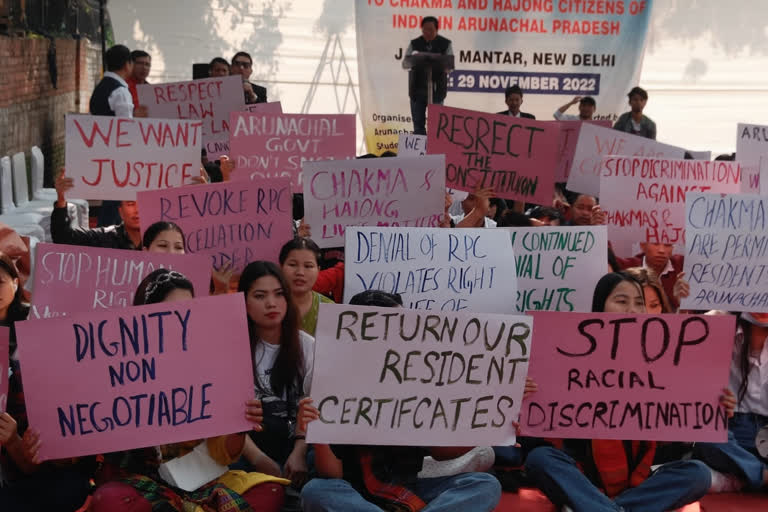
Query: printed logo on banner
[[751, 145], [461, 384], [4, 369], [113, 158], [231, 223], [618, 376], [208, 99], [134, 377], [432, 268], [71, 279], [398, 192], [726, 252]]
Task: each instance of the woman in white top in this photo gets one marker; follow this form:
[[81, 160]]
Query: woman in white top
[[282, 365]]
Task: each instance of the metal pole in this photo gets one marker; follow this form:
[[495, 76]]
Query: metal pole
[[103, 36]]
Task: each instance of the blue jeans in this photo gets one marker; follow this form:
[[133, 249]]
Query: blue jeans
[[419, 115], [671, 486], [738, 456], [478, 492]]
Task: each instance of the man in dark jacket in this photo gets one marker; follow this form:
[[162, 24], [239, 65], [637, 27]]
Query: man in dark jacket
[[513, 97], [242, 65], [418, 83], [634, 121]]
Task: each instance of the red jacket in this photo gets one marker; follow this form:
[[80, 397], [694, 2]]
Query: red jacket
[[667, 280], [330, 282]]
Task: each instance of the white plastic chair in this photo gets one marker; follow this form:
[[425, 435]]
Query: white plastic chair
[[25, 223], [37, 161]]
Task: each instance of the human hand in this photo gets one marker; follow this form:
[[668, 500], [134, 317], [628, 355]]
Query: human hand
[[682, 289], [304, 230], [141, 111], [31, 444], [598, 217], [9, 434], [227, 166], [63, 185], [530, 387], [296, 469], [254, 414], [728, 402], [307, 413]]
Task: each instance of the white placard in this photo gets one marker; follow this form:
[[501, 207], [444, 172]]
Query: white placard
[[751, 145], [644, 198], [436, 269], [764, 175], [393, 376], [595, 142], [410, 144], [726, 252], [113, 158]]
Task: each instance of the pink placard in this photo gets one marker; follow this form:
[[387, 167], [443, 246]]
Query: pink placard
[[569, 136], [4, 366], [116, 380], [630, 377], [515, 156], [272, 107], [231, 223], [72, 279], [275, 145], [208, 99]]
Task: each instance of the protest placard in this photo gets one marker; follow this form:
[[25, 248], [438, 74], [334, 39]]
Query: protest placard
[[276, 145], [623, 376], [404, 192], [764, 175], [134, 377], [566, 148], [644, 198], [272, 107], [4, 370], [558, 267], [595, 142], [73, 279], [751, 145], [514, 156], [410, 144], [432, 268], [726, 252], [208, 99], [113, 158], [460, 384], [232, 223]]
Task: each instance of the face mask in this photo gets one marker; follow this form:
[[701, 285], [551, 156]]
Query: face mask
[[754, 321]]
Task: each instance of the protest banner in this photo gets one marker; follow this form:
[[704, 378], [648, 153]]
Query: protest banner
[[595, 142], [558, 267], [233, 223], [4, 369], [136, 377], [633, 377], [751, 145], [72, 279], [432, 268], [516, 157], [113, 158], [208, 99], [552, 50], [400, 192], [272, 107], [726, 252], [764, 175], [644, 198], [410, 144], [461, 384], [566, 148], [276, 145]]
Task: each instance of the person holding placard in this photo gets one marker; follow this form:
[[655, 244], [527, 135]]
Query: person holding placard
[[667, 266], [300, 263], [475, 208], [180, 475], [351, 476], [617, 474]]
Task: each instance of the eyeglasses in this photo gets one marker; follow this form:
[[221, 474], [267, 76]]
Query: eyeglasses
[[241, 63]]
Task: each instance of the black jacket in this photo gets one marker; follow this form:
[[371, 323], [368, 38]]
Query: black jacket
[[522, 114], [260, 92], [417, 78], [99, 104], [110, 237]]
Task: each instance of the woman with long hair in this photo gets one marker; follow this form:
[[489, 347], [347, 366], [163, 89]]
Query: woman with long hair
[[300, 263], [656, 300]]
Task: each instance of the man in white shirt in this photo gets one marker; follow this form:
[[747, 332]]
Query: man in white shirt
[[587, 107], [475, 208], [112, 97]]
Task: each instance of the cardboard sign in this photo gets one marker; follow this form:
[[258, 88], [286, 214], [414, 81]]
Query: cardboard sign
[[113, 158], [751, 145], [5, 359], [459, 384], [410, 144], [726, 252], [566, 148], [73, 279], [276, 145], [140, 376], [433, 268], [764, 175], [208, 99], [514, 156], [404, 192], [644, 198], [231, 223], [595, 142], [272, 107], [629, 377], [558, 267]]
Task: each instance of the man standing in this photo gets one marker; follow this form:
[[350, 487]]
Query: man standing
[[635, 122], [111, 97], [418, 80], [587, 107], [242, 65], [218, 67], [142, 63], [513, 96]]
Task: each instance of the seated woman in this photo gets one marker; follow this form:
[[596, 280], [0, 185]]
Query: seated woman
[[300, 263], [133, 480], [656, 300], [616, 474], [372, 478]]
